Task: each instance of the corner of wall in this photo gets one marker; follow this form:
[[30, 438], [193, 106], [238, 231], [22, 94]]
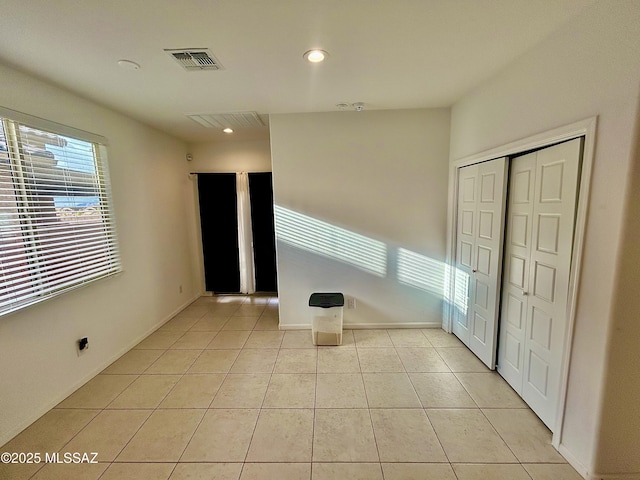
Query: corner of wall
[[616, 446]]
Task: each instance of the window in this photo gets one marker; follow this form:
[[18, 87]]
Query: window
[[57, 230]]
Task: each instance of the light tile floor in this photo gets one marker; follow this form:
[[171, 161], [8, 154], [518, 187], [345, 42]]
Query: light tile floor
[[220, 393]]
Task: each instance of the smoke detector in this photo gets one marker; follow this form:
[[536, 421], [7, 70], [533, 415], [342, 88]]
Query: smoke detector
[[358, 106], [195, 59]]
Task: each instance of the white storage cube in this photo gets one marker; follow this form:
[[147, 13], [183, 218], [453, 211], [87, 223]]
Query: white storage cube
[[326, 325]]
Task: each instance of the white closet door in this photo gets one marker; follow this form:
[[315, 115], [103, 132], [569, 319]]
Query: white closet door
[[465, 248], [542, 312], [515, 287], [481, 205]]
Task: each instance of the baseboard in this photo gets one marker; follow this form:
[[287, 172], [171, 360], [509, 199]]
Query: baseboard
[[295, 326], [571, 459], [584, 471], [357, 326], [614, 476], [8, 436], [175, 312]]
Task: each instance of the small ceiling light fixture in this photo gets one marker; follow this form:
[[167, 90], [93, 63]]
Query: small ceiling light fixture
[[128, 65], [315, 56], [358, 106], [228, 130]]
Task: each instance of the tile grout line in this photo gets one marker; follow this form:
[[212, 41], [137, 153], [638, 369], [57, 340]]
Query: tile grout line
[[160, 402], [427, 415], [148, 417], [366, 396], [165, 396], [260, 408], [105, 408], [205, 410], [315, 404], [226, 375], [501, 438]]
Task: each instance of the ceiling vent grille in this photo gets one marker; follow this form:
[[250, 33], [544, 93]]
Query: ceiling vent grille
[[224, 120], [195, 59]]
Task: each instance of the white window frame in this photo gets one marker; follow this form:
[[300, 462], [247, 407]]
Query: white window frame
[[98, 256]]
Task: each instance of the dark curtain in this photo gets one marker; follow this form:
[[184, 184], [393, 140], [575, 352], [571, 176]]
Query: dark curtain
[[219, 222], [262, 224]]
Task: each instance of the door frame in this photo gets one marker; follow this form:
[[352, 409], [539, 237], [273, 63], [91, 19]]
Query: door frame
[[584, 128], [198, 257]]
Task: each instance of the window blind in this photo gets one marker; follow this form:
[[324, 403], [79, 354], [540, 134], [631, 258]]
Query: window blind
[[57, 230]]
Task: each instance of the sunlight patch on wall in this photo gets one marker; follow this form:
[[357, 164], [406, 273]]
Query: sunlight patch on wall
[[460, 292], [330, 241], [421, 272]]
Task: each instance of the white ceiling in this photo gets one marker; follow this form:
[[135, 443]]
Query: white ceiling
[[388, 54]]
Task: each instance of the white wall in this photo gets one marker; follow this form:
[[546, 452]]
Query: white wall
[[618, 449], [230, 156], [591, 67], [378, 179], [151, 193]]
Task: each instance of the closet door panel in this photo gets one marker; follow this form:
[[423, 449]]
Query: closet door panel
[[465, 249], [481, 199], [516, 267], [557, 172], [538, 249], [488, 262]]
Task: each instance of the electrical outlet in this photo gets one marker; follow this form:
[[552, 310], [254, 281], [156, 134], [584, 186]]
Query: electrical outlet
[[83, 345], [351, 303]]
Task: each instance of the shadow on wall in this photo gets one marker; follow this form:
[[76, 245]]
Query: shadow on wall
[[372, 256]]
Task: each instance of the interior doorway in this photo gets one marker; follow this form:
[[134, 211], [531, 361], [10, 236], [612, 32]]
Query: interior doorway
[[238, 235]]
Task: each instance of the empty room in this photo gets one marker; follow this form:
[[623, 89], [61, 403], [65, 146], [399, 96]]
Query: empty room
[[313, 240]]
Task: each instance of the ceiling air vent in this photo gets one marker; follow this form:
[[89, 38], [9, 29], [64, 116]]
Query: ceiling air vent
[[223, 120], [195, 59]]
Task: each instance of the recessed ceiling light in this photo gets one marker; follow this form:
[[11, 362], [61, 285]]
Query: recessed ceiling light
[[315, 56], [228, 130], [128, 65]]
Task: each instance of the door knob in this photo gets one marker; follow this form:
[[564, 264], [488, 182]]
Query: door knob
[[525, 293], [474, 270]]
